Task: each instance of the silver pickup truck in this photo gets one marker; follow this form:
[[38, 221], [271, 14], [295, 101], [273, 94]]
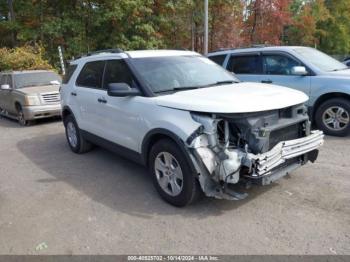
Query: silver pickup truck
[[29, 95]]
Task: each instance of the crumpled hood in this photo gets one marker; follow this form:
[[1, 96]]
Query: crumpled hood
[[234, 98], [39, 89]]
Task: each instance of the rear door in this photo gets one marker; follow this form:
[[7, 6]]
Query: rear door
[[88, 91], [278, 70], [247, 67]]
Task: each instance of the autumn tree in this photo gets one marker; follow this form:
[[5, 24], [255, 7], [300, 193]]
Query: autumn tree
[[265, 21], [307, 16]]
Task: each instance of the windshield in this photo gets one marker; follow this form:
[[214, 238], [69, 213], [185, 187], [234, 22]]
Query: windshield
[[36, 79], [321, 60], [177, 73]]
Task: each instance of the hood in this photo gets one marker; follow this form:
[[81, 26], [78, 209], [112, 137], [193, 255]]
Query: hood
[[40, 89], [342, 73], [234, 98]]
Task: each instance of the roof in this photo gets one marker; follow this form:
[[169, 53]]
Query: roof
[[134, 54], [254, 49]]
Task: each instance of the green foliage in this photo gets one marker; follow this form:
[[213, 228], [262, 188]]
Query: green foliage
[[81, 26], [305, 29], [336, 37], [23, 58]]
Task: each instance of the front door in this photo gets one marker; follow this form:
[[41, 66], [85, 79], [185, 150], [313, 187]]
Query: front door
[[6, 95], [119, 116], [278, 71]]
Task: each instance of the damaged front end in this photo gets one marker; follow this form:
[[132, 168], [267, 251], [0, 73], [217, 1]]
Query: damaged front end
[[255, 148]]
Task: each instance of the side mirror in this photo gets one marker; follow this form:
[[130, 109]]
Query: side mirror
[[299, 71], [5, 87], [121, 90]]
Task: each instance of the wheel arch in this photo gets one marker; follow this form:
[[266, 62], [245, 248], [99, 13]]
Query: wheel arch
[[323, 98], [66, 111], [157, 134], [18, 105]]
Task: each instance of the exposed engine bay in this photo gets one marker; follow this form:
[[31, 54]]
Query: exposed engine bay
[[254, 148]]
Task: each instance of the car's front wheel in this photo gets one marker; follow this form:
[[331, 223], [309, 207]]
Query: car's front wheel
[[333, 117], [76, 141], [21, 118], [172, 175]]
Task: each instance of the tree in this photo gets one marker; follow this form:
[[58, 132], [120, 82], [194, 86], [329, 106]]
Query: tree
[[336, 28], [265, 21], [305, 28]]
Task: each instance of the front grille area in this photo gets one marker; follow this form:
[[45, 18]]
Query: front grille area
[[51, 98], [285, 134]]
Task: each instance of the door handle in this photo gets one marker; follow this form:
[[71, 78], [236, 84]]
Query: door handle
[[73, 94], [267, 81], [102, 100]]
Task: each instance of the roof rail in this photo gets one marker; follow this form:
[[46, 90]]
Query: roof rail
[[259, 45], [242, 47], [113, 50], [224, 49]]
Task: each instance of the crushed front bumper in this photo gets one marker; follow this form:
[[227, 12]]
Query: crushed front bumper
[[275, 162]]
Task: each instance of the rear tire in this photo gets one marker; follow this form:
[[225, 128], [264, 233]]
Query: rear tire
[[333, 117], [76, 141], [172, 175]]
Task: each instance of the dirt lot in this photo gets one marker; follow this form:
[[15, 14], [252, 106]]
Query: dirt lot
[[55, 202]]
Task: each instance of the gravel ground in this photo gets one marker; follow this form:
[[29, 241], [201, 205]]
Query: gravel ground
[[55, 202]]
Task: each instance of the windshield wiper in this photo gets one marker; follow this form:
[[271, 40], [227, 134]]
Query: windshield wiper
[[178, 89], [340, 69], [183, 88], [222, 83]]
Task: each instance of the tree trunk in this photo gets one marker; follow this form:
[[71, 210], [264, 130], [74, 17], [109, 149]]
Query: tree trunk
[[12, 18]]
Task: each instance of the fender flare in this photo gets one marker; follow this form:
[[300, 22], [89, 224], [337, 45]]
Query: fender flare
[[66, 108], [146, 143]]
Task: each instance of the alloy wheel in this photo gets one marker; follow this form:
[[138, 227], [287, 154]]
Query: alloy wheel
[[21, 118], [336, 118], [169, 173], [72, 134]]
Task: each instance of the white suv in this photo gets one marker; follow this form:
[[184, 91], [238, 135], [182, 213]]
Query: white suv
[[188, 120]]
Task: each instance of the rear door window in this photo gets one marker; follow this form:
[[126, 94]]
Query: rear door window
[[248, 64], [91, 75]]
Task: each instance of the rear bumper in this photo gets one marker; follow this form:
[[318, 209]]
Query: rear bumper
[[44, 111]]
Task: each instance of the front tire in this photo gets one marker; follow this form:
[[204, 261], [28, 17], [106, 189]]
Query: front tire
[[333, 117], [21, 118], [76, 141], [172, 175]]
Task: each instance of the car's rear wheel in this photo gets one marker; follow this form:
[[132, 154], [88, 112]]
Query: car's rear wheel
[[76, 141], [172, 175], [333, 117]]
